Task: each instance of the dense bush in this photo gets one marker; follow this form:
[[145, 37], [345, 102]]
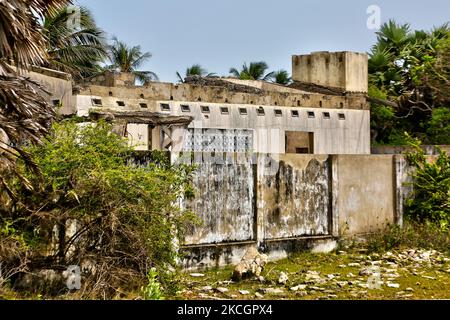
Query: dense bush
[[126, 216], [431, 196]]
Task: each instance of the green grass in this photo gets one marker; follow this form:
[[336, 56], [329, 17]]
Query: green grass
[[298, 265]]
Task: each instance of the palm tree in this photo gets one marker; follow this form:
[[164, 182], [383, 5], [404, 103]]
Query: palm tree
[[128, 59], [75, 49], [25, 114], [281, 77], [195, 70], [255, 71]]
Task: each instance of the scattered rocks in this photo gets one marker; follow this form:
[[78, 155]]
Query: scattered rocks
[[207, 288], [272, 291], [222, 290], [197, 275], [283, 279], [393, 285], [259, 295], [252, 264], [354, 264], [244, 292], [299, 287]]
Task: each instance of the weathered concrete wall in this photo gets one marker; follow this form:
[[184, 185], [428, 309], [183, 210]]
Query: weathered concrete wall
[[299, 201], [59, 85], [365, 194], [295, 201], [347, 71], [224, 202], [159, 91]]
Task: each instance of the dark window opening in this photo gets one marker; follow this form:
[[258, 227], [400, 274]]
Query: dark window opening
[[311, 114], [121, 103], [302, 150], [326, 115], [224, 110], [341, 105], [199, 99], [278, 113], [165, 107], [341, 116], [295, 113], [205, 109], [143, 105], [97, 102], [110, 94], [56, 103], [171, 98], [276, 103], [243, 111], [226, 100], [298, 103], [320, 104], [251, 102], [142, 96], [185, 108], [260, 111]]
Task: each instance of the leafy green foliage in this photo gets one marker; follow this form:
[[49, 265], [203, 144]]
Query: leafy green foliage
[[129, 59], [431, 200], [410, 68], [255, 71], [77, 50], [127, 216], [152, 290], [281, 77], [195, 70]]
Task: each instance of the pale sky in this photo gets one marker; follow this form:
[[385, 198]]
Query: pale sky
[[220, 34]]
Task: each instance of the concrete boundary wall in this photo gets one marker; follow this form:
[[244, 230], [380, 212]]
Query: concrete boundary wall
[[285, 203]]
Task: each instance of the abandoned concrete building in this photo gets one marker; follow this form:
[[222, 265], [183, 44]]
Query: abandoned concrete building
[[324, 185], [328, 116]]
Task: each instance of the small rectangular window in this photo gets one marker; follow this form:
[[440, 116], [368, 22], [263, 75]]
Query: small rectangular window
[[301, 150], [97, 102], [326, 115], [278, 113], [295, 114], [185, 108], [260, 111], [165, 107], [311, 114], [243, 111], [143, 105], [224, 110], [205, 109], [121, 103], [56, 103], [341, 116]]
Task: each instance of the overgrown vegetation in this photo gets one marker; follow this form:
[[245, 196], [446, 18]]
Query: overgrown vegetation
[[98, 211], [411, 235], [430, 202], [411, 69]]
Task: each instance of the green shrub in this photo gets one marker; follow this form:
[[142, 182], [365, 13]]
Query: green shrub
[[431, 195], [153, 289], [128, 218]]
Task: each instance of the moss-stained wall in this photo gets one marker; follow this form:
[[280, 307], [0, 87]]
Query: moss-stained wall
[[224, 203], [295, 201]]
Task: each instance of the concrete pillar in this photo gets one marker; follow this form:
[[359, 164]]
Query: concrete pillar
[[334, 195]]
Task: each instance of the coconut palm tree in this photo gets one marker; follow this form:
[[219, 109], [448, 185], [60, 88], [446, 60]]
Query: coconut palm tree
[[256, 71], [24, 113], [195, 70], [128, 59], [281, 77], [77, 49]]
